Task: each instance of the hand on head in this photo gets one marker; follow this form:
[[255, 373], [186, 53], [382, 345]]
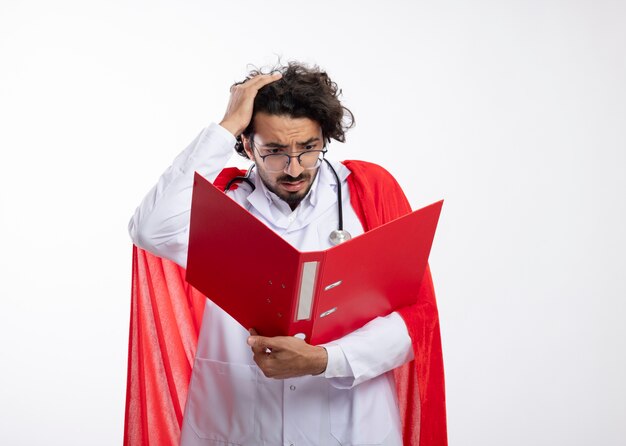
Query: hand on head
[[241, 104]]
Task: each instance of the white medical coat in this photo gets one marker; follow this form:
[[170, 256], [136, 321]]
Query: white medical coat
[[230, 401]]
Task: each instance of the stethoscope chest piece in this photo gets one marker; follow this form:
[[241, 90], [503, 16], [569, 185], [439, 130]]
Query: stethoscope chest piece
[[339, 236]]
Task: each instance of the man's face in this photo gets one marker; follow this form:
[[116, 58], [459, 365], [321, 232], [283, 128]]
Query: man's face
[[292, 136]]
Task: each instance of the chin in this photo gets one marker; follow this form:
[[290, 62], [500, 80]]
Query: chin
[[292, 198]]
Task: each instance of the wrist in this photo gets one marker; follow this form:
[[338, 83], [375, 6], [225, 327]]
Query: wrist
[[320, 361], [234, 129]]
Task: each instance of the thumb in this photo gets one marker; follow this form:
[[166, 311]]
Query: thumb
[[257, 342]]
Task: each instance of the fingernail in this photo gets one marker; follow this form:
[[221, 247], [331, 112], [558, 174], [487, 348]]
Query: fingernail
[[250, 341]]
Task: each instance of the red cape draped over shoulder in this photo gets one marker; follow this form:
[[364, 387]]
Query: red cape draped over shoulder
[[166, 314]]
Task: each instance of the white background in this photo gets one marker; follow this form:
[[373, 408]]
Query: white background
[[513, 111]]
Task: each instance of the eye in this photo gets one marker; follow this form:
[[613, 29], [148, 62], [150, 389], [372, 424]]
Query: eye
[[272, 150], [310, 147]]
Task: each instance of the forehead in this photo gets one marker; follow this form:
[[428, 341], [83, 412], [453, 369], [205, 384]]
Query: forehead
[[285, 129]]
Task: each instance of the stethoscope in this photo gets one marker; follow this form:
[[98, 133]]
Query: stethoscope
[[336, 237]]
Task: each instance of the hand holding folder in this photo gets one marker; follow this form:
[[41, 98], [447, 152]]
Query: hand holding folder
[[265, 283]]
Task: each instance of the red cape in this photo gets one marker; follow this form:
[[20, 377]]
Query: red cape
[[166, 314]]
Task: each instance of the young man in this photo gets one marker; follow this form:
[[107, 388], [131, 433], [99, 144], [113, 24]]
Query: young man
[[247, 389]]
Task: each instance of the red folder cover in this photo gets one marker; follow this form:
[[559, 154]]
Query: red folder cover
[[265, 283]]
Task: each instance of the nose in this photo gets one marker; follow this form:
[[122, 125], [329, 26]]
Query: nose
[[294, 168]]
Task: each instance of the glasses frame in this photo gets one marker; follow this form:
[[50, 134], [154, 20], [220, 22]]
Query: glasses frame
[[323, 152]]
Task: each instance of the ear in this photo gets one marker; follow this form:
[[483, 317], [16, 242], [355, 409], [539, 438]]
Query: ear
[[247, 147]]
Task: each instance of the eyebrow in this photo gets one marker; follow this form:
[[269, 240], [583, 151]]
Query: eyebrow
[[284, 146], [308, 141]]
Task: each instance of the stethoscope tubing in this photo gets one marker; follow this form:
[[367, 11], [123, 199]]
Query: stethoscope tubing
[[338, 235]]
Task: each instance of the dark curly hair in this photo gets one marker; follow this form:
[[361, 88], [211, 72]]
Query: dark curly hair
[[301, 92]]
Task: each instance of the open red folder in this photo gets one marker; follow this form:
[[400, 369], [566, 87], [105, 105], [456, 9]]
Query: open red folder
[[265, 283]]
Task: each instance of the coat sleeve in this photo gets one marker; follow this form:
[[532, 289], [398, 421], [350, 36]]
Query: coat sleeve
[[160, 223]]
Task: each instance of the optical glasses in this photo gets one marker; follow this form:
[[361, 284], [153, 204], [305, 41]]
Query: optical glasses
[[278, 162]]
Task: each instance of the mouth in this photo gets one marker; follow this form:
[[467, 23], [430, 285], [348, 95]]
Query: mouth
[[293, 186]]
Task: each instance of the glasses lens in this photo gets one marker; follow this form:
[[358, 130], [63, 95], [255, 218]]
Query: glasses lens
[[275, 163], [310, 160]]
